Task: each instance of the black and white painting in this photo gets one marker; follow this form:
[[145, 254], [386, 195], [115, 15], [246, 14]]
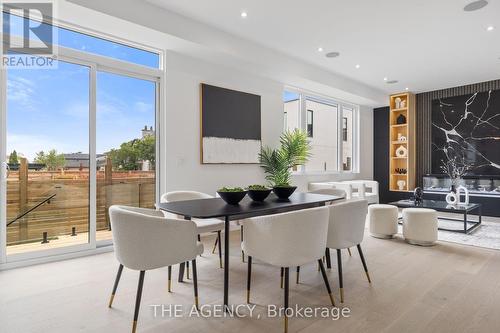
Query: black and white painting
[[467, 128], [230, 126]]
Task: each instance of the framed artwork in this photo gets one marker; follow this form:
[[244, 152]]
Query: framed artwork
[[230, 126]]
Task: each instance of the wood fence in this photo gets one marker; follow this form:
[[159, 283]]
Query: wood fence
[[70, 205]]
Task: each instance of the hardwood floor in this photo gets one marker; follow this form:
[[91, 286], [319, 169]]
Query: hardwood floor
[[445, 288]]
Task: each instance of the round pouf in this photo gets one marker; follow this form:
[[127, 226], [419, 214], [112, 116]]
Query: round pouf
[[383, 220], [420, 226]]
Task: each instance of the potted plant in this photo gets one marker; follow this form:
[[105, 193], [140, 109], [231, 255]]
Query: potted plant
[[258, 192], [232, 195], [277, 163]]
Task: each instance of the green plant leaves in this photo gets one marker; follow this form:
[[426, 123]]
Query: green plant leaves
[[277, 163]]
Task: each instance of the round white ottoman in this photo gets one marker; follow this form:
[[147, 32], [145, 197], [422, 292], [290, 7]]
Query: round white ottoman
[[383, 220], [420, 226]]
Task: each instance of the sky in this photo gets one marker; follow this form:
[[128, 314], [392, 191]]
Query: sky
[[49, 108]]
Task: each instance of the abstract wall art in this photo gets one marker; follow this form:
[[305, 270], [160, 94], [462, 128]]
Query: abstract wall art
[[230, 126], [467, 128]]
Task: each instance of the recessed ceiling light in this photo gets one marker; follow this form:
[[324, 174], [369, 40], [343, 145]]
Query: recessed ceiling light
[[490, 28], [392, 81], [385, 79], [407, 88], [357, 66], [332, 54], [244, 14], [475, 5], [320, 49]]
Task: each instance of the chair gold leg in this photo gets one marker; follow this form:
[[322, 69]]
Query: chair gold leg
[[115, 286], [134, 326], [341, 295], [286, 324]]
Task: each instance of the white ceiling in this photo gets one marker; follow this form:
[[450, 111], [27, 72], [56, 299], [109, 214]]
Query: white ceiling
[[426, 44]]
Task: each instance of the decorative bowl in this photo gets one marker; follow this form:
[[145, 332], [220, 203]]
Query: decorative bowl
[[259, 195], [232, 198], [284, 192]]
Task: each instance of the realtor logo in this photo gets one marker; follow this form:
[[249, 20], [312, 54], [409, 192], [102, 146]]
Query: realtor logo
[[28, 34]]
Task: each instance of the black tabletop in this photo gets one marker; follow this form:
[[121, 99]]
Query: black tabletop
[[216, 207], [442, 206]]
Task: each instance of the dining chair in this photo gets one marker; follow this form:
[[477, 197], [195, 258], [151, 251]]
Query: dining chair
[[346, 229], [203, 225], [287, 240], [328, 191], [144, 240]]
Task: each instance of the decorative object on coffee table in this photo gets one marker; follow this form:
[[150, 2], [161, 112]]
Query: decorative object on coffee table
[[455, 167], [418, 194], [232, 195], [278, 163], [463, 189]]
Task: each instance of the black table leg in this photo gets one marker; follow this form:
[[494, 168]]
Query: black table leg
[[226, 263]]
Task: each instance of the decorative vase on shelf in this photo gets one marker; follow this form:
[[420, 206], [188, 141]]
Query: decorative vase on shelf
[[401, 119], [403, 104], [401, 151], [397, 103], [401, 184]]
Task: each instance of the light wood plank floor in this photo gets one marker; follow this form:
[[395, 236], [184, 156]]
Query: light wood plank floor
[[445, 288]]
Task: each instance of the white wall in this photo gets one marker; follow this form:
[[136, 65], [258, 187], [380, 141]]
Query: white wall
[[183, 167]]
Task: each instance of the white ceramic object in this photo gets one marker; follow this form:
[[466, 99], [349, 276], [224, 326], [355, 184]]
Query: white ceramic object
[[452, 198], [401, 151], [403, 104], [397, 103], [466, 195], [401, 184], [402, 138]]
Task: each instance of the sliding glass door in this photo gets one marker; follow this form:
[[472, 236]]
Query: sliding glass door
[[125, 145], [47, 144]]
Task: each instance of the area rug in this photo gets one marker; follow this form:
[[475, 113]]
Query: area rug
[[487, 235]]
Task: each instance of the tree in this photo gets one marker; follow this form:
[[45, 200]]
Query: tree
[[52, 159], [128, 156], [13, 158]]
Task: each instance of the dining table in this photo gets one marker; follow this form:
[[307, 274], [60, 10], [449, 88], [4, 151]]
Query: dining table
[[218, 208]]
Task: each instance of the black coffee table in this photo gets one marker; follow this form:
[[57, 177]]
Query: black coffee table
[[443, 206]]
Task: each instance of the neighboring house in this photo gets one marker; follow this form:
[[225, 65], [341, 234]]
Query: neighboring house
[[81, 161]]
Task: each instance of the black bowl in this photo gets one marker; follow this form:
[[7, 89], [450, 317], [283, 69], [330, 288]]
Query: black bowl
[[232, 198], [284, 192], [259, 195]]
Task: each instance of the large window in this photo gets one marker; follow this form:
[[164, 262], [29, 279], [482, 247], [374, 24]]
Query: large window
[[80, 137], [331, 127]]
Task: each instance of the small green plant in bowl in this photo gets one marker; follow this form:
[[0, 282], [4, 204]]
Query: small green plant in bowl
[[232, 195], [258, 192]]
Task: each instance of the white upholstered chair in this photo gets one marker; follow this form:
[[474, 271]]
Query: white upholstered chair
[[144, 240], [287, 240], [203, 225], [355, 189], [345, 230]]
